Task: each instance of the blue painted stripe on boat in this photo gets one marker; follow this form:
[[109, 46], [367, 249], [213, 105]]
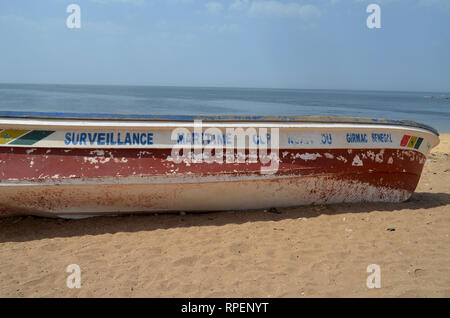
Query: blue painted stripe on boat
[[327, 119]]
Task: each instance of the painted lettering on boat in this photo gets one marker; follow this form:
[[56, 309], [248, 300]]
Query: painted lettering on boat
[[357, 138], [381, 138], [205, 138], [327, 139], [299, 141], [108, 138]]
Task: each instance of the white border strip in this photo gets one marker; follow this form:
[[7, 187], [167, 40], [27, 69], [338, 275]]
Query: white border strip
[[100, 125]]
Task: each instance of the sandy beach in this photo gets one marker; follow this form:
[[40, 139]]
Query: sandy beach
[[311, 251]]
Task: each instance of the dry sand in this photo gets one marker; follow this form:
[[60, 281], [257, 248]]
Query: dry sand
[[302, 252]]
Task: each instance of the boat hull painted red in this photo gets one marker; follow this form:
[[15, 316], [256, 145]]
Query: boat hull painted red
[[90, 181], [72, 165]]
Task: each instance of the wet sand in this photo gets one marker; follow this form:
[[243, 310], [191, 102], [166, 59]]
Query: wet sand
[[320, 251]]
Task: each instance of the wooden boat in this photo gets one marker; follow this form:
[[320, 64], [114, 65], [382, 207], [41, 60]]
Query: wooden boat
[[73, 164]]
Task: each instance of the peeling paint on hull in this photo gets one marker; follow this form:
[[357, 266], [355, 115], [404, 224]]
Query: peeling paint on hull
[[51, 166], [57, 165], [82, 181], [206, 196]]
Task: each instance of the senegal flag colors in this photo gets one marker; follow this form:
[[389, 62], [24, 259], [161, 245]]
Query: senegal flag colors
[[411, 142], [22, 137]]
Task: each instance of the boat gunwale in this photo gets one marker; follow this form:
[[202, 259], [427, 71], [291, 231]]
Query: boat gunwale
[[214, 118]]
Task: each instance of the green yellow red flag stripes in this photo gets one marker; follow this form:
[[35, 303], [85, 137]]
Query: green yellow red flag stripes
[[32, 137], [418, 143], [411, 142], [22, 137], [9, 135]]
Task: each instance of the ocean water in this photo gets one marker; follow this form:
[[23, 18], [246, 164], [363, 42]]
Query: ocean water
[[429, 108]]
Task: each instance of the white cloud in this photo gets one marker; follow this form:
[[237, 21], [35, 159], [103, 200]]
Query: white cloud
[[279, 9], [443, 4], [180, 1], [135, 2], [239, 4], [437, 3], [214, 7], [378, 1]]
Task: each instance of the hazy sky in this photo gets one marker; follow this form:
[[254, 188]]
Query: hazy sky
[[246, 43]]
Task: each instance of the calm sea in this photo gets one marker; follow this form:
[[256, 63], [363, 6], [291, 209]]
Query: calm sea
[[429, 108]]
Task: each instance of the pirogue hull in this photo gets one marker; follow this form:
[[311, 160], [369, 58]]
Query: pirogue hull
[[77, 166]]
